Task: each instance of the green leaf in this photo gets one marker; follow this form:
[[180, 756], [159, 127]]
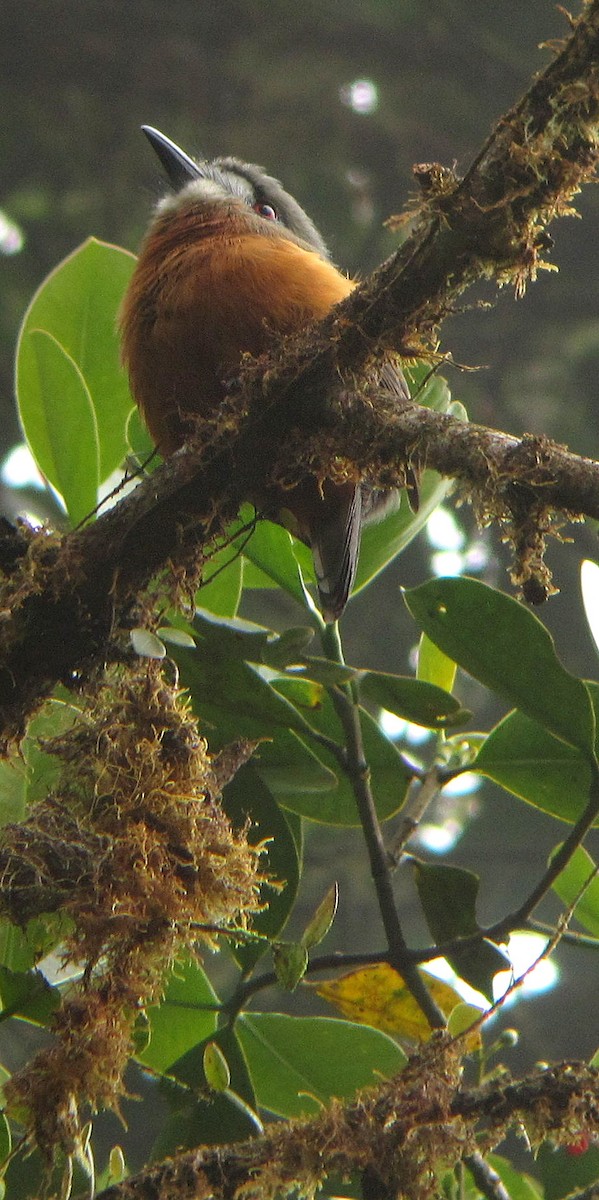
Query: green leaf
[[503, 645], [519, 1185], [290, 962], [176, 637], [383, 541], [462, 1018], [321, 670], [337, 806], [187, 1015], [569, 884], [246, 798], [146, 644], [233, 700], [434, 666], [77, 305], [232, 638], [423, 703], [216, 1068], [139, 443], [13, 791], [189, 1069], [197, 1120], [318, 926], [288, 766], [5, 1139], [288, 649], [21, 949], [44, 768], [280, 557], [522, 757], [298, 1064], [221, 589], [27, 994], [232, 685], [194, 1121], [117, 1166], [59, 421], [563, 1173], [448, 896]]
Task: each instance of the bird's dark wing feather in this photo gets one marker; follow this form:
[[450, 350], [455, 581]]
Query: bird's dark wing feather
[[393, 380], [335, 543]]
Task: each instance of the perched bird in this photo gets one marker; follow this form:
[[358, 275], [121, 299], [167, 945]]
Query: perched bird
[[230, 258]]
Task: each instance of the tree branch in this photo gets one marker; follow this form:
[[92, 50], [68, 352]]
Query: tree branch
[[345, 701], [394, 1133]]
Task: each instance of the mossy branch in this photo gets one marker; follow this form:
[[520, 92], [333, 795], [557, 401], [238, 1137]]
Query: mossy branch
[[391, 1136]]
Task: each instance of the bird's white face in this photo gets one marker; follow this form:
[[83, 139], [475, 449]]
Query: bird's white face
[[196, 192]]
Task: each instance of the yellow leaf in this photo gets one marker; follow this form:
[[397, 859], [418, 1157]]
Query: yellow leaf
[[379, 997]]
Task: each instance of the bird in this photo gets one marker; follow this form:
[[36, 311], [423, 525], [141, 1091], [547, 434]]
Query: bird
[[229, 258]]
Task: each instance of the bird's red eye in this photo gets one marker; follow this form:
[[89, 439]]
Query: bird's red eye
[[266, 211]]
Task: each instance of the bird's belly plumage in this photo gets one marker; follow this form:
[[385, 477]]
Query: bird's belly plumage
[[207, 305]]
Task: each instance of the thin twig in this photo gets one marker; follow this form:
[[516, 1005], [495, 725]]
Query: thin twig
[[559, 861], [413, 812], [322, 962], [345, 700], [486, 1178]]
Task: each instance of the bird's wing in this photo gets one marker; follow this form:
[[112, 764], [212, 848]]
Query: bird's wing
[[335, 543]]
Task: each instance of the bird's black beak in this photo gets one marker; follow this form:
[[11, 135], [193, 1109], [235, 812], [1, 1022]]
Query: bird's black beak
[[180, 168]]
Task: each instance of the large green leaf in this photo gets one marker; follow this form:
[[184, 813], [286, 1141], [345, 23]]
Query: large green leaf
[[44, 768], [522, 757], [231, 684], [200, 1116], [564, 1174], [13, 790], [233, 700], [77, 305], [570, 883], [59, 421], [413, 699], [389, 774], [448, 896], [27, 994], [187, 1014], [221, 589], [21, 949], [280, 557], [499, 642], [297, 1064], [217, 1119], [434, 666], [245, 798]]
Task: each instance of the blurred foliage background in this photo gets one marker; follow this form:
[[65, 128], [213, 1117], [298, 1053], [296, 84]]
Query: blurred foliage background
[[338, 99]]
